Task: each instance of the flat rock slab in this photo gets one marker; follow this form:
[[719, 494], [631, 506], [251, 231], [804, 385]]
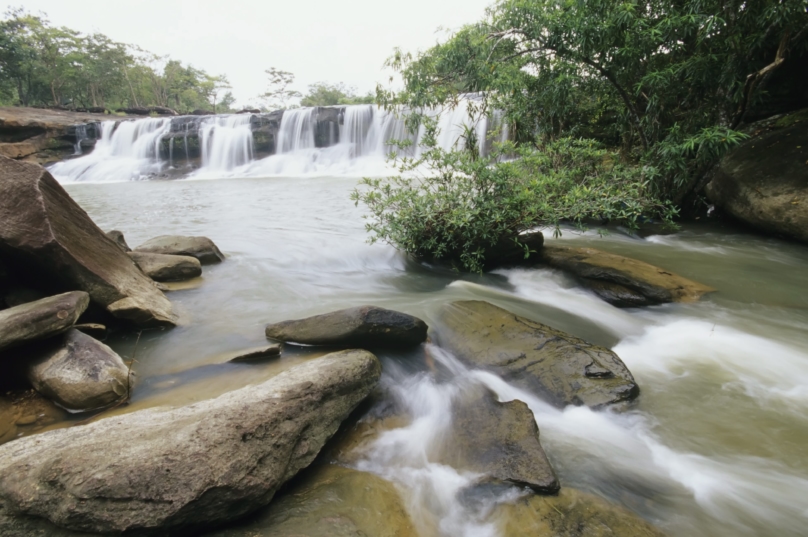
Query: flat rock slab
[[78, 372], [47, 236], [201, 248], [167, 268], [41, 319], [365, 326], [558, 367], [623, 281], [500, 440], [157, 470]]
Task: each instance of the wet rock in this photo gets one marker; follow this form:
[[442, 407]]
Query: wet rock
[[167, 268], [623, 281], [558, 367], [258, 354], [46, 235], [117, 237], [98, 331], [500, 440], [332, 501], [508, 251], [78, 372], [201, 248], [16, 410], [570, 514], [41, 319], [764, 181], [362, 326], [157, 470]]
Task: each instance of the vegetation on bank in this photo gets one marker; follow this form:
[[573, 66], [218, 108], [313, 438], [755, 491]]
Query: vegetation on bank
[[663, 84]]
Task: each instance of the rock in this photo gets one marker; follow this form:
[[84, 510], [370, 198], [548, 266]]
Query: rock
[[500, 440], [764, 181], [249, 111], [117, 237], [332, 501], [78, 372], [258, 354], [200, 112], [167, 268], [16, 410], [360, 327], [507, 251], [46, 235], [570, 514], [98, 331], [201, 248], [41, 319], [623, 281], [558, 367], [158, 470]]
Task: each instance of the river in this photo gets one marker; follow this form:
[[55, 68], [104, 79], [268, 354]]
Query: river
[[714, 446]]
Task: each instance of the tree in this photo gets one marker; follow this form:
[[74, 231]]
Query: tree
[[278, 93], [325, 94]]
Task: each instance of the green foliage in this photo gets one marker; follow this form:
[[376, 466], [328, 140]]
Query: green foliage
[[44, 65], [325, 94], [464, 203], [278, 92], [666, 81]]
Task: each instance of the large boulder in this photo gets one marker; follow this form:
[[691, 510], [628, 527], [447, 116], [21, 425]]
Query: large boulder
[[623, 281], [556, 366], [764, 181], [201, 248], [41, 319], [118, 238], [46, 235], [364, 326], [78, 372], [157, 470], [167, 268], [332, 501], [500, 440]]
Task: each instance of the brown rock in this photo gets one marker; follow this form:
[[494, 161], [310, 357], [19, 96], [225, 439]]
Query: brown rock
[[201, 248], [41, 319], [167, 268]]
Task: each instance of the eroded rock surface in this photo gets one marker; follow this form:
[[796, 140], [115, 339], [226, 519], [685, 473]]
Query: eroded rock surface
[[157, 470], [118, 238], [623, 281], [46, 235], [167, 268], [78, 372], [353, 327], [556, 366], [201, 248], [41, 319]]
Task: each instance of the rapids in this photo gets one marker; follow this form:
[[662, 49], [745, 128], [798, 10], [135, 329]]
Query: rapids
[[714, 446]]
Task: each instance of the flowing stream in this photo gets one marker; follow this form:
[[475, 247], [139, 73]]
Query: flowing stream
[[714, 446]]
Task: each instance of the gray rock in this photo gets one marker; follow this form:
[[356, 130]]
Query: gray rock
[[500, 440], [257, 354], [41, 319], [167, 268], [556, 366], [44, 233], [78, 372], [158, 470], [353, 327], [117, 237], [764, 181], [201, 248]]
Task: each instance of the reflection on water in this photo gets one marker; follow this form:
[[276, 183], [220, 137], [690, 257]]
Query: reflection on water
[[715, 445]]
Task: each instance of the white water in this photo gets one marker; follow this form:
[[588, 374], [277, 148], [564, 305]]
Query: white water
[[358, 146]]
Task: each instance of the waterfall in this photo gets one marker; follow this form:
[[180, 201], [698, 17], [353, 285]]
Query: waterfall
[[227, 142], [296, 131], [81, 134]]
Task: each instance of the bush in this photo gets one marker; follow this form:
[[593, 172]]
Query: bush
[[456, 205]]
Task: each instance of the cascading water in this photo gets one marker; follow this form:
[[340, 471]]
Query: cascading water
[[227, 143]]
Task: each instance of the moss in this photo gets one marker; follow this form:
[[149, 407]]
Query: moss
[[792, 119]]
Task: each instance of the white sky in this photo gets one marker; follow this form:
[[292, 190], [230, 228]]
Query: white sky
[[317, 40]]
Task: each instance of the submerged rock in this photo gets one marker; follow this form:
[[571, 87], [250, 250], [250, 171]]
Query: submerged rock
[[332, 501], [558, 367], [117, 237], [500, 440], [764, 181], [571, 513], [158, 470], [353, 327], [78, 372], [167, 268], [623, 281], [47, 236], [41, 319], [201, 248]]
